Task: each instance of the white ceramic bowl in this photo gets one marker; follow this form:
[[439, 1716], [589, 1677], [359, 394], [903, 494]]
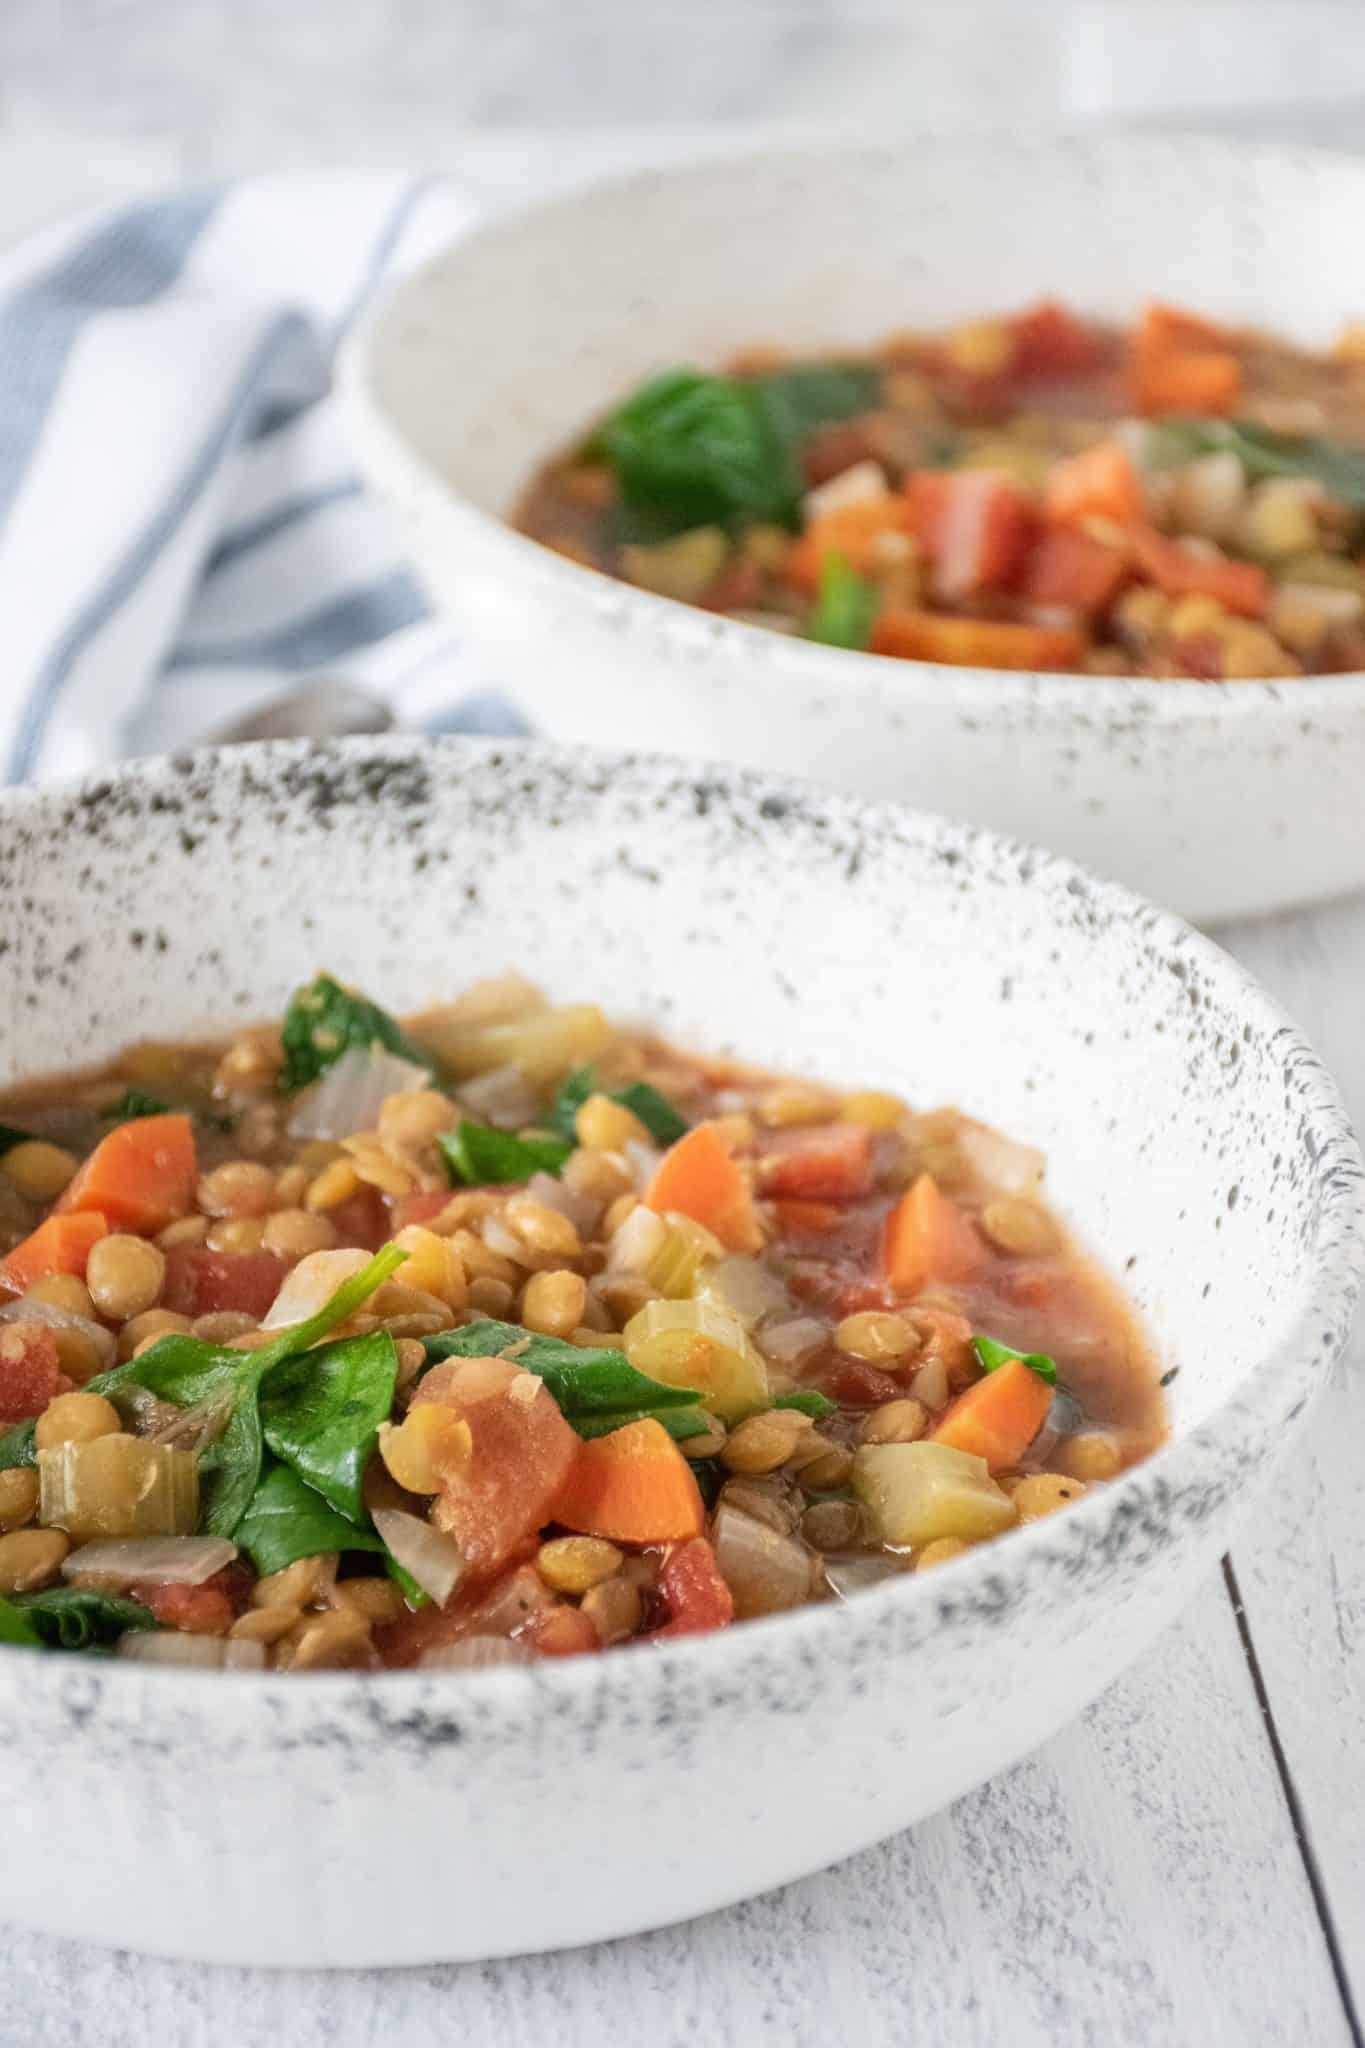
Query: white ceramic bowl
[[1219, 800], [1192, 1136]]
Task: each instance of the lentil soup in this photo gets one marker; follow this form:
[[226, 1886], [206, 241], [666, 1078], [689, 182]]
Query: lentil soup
[[509, 1332], [1037, 492]]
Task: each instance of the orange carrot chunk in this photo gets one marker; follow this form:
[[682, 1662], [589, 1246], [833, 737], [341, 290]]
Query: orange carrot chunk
[[1070, 568], [1164, 328], [1187, 380], [141, 1177], [928, 1238], [974, 643], [854, 531], [999, 1416], [61, 1245], [1238, 586], [634, 1486], [699, 1177], [1099, 483]]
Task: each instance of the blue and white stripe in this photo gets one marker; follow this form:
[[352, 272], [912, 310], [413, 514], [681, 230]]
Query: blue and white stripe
[[182, 530]]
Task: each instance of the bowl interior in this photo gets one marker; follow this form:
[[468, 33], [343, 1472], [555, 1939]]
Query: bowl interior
[[507, 344], [1183, 1121]]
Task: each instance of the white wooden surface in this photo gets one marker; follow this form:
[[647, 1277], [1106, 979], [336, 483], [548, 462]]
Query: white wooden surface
[[1177, 1870]]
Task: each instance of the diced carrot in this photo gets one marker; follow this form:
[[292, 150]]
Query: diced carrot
[[999, 1416], [1238, 586], [975, 524], [974, 643], [1072, 569], [928, 1238], [1187, 380], [30, 1371], [1164, 328], [694, 1592], [1099, 483], [799, 1218], [853, 531], [1050, 341], [141, 1176], [828, 1162], [700, 1177], [633, 1486], [61, 1245]]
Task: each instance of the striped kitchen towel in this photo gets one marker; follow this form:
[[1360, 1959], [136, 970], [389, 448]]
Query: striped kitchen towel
[[182, 528]]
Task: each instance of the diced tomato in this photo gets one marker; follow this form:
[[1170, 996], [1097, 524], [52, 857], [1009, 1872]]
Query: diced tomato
[[503, 1609], [808, 1219], [827, 1162], [561, 1631], [975, 524], [1049, 341], [1069, 568], [738, 588], [201, 1282], [363, 1219], [693, 1591], [859, 1385], [521, 1452], [418, 1207], [206, 1610], [1238, 586], [30, 1370]]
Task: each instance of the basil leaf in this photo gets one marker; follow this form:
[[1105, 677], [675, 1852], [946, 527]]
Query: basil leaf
[[597, 1391], [660, 1118], [285, 1520], [10, 1136], [477, 1155], [807, 1401], [321, 1412], [74, 1617], [16, 1628], [992, 1354], [1264, 453], [811, 395], [845, 608], [324, 1019], [693, 450], [132, 1104]]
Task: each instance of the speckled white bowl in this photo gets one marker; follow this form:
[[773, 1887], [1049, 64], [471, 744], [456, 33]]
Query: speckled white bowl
[[1192, 1136], [1217, 800]]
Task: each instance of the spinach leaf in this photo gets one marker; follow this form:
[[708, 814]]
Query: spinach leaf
[[286, 1520], [477, 1155], [16, 1628], [845, 607], [1264, 453], [74, 1617], [811, 395], [597, 1391], [693, 450], [993, 1354], [807, 1401], [132, 1104], [405, 1582], [321, 1412], [10, 1136], [16, 1447], [324, 1019], [710, 1476], [664, 1123]]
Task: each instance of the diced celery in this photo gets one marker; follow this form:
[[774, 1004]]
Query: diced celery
[[118, 1486], [693, 1344], [921, 1491], [687, 1247]]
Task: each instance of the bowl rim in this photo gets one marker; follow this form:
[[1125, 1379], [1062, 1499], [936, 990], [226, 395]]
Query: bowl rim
[[1260, 1405], [691, 632]]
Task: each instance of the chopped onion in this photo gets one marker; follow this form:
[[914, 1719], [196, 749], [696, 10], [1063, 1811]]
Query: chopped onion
[[1012, 1169], [503, 1097], [476, 1653], [433, 1559], [788, 1343], [849, 1575], [172, 1646], [352, 1092], [167, 1560], [863, 483], [581, 1210], [240, 1654], [500, 1238], [1208, 494], [643, 1160], [639, 1241], [26, 1310], [746, 1288], [311, 1286], [765, 1571]]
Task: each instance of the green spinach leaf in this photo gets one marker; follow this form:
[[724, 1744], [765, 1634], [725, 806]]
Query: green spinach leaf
[[321, 1412], [1264, 453], [845, 606], [476, 1155], [324, 1019], [811, 395], [693, 450], [16, 1447], [16, 1628], [73, 1617], [807, 1401], [597, 1391], [10, 1136], [993, 1354], [286, 1520], [132, 1104]]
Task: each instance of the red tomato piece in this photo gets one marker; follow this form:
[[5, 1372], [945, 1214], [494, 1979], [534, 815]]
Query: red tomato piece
[[520, 1455], [859, 1385], [1240, 587], [808, 1219], [195, 1610], [1049, 341], [418, 1207], [200, 1282], [828, 1162], [1069, 568], [561, 1632], [30, 1370], [363, 1219], [975, 524], [695, 1594]]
